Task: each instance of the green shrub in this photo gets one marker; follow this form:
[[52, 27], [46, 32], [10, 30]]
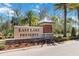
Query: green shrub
[[73, 33], [61, 39], [58, 39], [66, 38], [2, 46]]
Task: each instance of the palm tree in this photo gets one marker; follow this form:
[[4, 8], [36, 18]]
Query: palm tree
[[35, 21], [30, 15], [75, 6], [64, 7]]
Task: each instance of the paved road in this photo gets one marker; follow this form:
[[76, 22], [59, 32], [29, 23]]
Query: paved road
[[69, 48]]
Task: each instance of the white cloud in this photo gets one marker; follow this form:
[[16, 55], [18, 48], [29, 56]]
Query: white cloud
[[7, 4], [36, 9], [7, 11], [37, 6]]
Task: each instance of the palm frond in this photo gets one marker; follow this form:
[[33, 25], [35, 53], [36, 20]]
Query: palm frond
[[72, 6]]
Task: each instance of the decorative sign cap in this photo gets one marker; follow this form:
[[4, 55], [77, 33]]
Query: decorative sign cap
[[46, 19]]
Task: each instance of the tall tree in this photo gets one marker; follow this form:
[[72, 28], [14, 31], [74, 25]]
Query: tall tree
[[64, 7], [75, 6]]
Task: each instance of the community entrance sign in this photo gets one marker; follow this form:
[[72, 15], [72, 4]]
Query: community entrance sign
[[30, 35], [28, 32], [44, 30]]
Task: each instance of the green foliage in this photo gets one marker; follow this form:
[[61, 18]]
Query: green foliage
[[73, 33], [8, 33], [30, 15], [2, 44], [14, 21], [63, 6], [22, 21], [57, 30], [56, 26], [54, 18], [32, 19]]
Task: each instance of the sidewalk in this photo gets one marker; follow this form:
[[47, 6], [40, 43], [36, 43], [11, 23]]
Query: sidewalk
[[18, 49]]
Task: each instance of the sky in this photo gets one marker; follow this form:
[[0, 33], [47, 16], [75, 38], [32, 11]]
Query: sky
[[34, 7], [7, 9], [25, 7]]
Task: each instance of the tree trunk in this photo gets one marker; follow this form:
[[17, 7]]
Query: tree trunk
[[65, 14]]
